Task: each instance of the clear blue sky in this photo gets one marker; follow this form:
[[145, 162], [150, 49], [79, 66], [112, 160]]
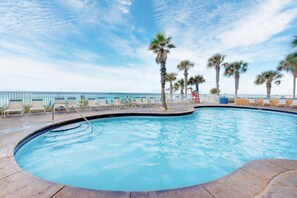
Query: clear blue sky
[[76, 45]]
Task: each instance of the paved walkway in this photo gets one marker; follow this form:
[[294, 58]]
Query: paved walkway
[[261, 178]]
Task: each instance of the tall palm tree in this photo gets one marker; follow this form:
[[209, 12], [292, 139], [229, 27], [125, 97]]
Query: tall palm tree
[[294, 42], [185, 65], [268, 77], [181, 84], [161, 46], [196, 80], [235, 69], [170, 77], [216, 62], [289, 64]]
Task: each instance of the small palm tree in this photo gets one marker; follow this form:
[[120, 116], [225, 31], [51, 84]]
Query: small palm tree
[[216, 61], [176, 87], [181, 84], [185, 65], [170, 77], [289, 64], [196, 80], [161, 46], [268, 77], [235, 69]]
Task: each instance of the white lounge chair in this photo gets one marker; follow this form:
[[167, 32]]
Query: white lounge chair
[[92, 103], [60, 104], [152, 101], [14, 106], [102, 102], [294, 104], [37, 106], [71, 103], [117, 102], [138, 101], [266, 102], [282, 102], [178, 100], [145, 101], [251, 101]]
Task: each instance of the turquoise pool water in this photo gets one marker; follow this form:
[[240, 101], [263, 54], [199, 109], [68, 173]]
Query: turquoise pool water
[[156, 153]]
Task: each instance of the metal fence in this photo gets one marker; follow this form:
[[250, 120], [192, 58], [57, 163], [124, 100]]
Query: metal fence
[[49, 97]]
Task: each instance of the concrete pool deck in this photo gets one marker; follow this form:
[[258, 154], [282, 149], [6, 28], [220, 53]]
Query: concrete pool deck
[[260, 178]]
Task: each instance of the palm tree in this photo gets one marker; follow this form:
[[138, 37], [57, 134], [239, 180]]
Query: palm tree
[[176, 87], [181, 84], [235, 69], [289, 64], [294, 42], [216, 62], [268, 77], [170, 77], [196, 80], [294, 45], [161, 46], [185, 65]]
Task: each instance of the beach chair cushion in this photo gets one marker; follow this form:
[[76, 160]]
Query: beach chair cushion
[[282, 101], [15, 104]]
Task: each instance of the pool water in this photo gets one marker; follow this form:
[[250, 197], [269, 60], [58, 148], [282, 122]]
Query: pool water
[[156, 153]]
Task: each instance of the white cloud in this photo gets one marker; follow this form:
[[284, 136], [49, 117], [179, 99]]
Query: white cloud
[[264, 21]]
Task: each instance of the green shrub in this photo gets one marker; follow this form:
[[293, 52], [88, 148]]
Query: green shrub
[[214, 91]]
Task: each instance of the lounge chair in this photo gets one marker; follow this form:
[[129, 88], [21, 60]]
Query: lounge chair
[[117, 102], [266, 102], [138, 101], [37, 106], [294, 104], [102, 102], [92, 103], [145, 101], [14, 106], [152, 101], [179, 99], [71, 103], [282, 102], [60, 104], [251, 101]]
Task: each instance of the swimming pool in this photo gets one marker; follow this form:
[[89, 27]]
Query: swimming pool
[[142, 153]]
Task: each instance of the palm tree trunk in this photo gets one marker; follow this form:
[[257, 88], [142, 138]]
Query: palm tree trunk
[[294, 86], [181, 90], [197, 87], [268, 89], [171, 91], [163, 74], [186, 82], [236, 85], [218, 79]]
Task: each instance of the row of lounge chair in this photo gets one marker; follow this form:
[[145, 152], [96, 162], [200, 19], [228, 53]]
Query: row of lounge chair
[[60, 104], [266, 102]]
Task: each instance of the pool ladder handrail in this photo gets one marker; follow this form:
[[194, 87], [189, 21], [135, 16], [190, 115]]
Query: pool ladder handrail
[[68, 104]]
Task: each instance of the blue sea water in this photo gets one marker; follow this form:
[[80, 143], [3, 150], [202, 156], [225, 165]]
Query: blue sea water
[[157, 153]]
